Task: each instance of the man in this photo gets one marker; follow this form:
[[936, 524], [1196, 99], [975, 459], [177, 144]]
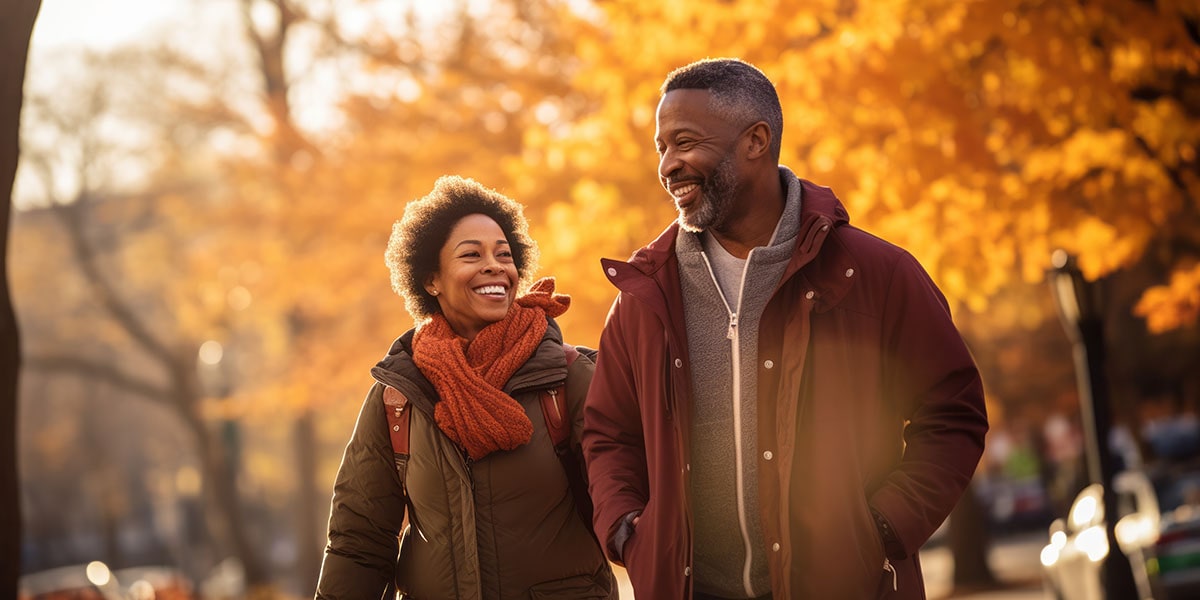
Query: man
[[782, 406]]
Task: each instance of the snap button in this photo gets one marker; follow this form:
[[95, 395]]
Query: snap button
[[775, 546], [395, 428], [824, 228], [767, 455], [849, 272], [687, 571], [612, 272], [678, 363], [769, 364], [809, 294]]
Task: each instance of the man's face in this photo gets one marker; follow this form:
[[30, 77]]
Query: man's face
[[697, 159]]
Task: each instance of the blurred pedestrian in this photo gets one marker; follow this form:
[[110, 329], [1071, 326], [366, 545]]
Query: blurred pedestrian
[[487, 504], [746, 428]]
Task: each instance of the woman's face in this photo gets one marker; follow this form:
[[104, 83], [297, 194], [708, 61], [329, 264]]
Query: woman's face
[[476, 278]]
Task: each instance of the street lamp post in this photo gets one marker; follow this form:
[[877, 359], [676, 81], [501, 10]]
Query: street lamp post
[[1079, 306]]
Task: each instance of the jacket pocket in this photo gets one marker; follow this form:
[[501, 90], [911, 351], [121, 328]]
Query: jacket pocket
[[578, 587]]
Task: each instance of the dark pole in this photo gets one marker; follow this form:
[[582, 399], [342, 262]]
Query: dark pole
[[1079, 306]]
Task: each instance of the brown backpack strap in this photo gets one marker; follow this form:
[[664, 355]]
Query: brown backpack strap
[[558, 423], [554, 406], [398, 413]]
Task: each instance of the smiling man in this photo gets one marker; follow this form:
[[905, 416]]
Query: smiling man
[[782, 406]]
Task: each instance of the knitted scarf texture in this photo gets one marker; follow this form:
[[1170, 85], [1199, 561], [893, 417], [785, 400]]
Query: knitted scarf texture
[[469, 377]]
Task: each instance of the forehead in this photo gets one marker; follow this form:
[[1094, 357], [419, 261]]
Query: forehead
[[478, 227], [687, 109]]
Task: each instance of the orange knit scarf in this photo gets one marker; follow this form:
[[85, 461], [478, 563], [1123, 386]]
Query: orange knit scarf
[[472, 410]]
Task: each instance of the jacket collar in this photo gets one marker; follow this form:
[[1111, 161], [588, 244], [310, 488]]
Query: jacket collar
[[821, 261], [820, 211]]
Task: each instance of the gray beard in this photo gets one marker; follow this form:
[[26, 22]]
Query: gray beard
[[716, 199]]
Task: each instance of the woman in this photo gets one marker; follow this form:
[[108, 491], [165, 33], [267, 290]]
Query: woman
[[489, 510]]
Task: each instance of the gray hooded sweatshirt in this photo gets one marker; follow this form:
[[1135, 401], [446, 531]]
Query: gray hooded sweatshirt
[[723, 300]]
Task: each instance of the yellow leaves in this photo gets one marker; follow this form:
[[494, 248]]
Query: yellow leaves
[[1128, 60], [1174, 305], [1085, 150], [1165, 126], [1103, 247]]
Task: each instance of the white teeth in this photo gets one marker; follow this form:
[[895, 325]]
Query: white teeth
[[489, 289], [683, 191]]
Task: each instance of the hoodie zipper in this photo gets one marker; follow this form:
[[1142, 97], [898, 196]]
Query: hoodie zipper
[[739, 470]]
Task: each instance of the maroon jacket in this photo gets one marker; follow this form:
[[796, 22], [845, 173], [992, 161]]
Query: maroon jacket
[[855, 342]]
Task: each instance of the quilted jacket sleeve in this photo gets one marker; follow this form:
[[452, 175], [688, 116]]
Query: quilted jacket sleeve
[[367, 512]]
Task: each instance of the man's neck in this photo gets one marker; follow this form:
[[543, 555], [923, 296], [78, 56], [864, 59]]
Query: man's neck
[[755, 224]]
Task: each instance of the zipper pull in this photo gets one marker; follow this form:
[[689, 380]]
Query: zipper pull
[[553, 394], [732, 326], [887, 566]]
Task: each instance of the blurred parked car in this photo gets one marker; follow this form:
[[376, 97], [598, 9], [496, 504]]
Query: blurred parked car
[[1158, 528], [94, 581]]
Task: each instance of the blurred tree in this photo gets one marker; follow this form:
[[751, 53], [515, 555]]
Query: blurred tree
[[16, 26], [122, 243], [980, 139]]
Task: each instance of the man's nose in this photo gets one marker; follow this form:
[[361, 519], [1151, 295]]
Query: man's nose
[[667, 166]]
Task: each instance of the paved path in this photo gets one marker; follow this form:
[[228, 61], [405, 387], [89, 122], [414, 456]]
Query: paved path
[[1014, 561]]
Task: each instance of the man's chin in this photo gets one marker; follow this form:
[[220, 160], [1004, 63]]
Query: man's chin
[[689, 224]]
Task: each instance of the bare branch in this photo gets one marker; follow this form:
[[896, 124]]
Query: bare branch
[[97, 370], [113, 303]]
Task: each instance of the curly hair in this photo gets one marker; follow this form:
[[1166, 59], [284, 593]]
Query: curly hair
[[740, 93], [417, 238]]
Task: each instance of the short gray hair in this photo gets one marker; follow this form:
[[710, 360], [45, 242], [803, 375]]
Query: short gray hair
[[741, 93]]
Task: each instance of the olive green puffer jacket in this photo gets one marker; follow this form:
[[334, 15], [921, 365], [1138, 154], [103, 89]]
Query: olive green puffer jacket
[[503, 527]]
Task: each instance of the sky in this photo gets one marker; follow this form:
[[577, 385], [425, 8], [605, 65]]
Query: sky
[[98, 23]]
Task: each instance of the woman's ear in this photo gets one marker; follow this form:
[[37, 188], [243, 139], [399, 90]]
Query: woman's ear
[[431, 285]]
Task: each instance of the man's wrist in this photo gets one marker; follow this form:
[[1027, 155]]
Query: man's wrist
[[625, 528]]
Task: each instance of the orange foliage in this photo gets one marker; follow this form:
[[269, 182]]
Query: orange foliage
[[979, 135]]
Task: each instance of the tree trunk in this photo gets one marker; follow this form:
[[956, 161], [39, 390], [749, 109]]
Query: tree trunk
[[310, 536], [16, 27], [220, 479], [969, 542]]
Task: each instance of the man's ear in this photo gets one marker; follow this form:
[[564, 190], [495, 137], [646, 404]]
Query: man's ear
[[759, 137]]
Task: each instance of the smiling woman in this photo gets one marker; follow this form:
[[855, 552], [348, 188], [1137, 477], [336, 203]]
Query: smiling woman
[[452, 442]]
